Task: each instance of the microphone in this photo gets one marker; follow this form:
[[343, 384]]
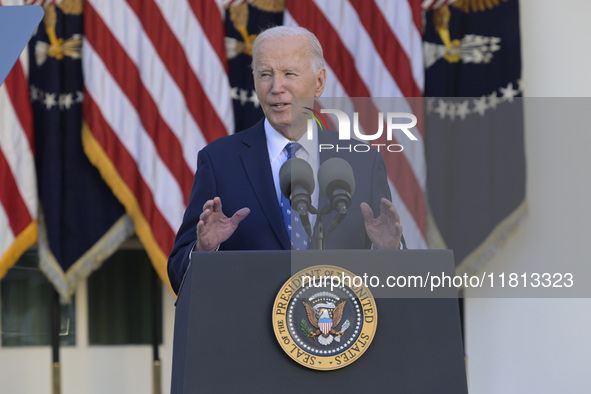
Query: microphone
[[337, 183], [296, 180]]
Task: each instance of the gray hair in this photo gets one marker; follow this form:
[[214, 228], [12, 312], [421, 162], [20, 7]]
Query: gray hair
[[279, 32]]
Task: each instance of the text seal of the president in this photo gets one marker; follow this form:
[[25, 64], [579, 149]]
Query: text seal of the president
[[324, 317]]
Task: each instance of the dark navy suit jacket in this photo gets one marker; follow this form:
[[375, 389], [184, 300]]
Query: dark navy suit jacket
[[237, 169]]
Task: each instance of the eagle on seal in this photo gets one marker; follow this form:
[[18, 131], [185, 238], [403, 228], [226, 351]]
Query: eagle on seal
[[323, 322]]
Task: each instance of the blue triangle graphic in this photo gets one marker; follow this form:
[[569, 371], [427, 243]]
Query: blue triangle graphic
[[17, 25]]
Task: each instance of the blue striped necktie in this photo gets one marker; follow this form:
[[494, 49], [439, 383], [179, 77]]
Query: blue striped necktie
[[297, 235]]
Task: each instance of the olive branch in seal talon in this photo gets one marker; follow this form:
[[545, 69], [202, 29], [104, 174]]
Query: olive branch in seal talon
[[306, 330]]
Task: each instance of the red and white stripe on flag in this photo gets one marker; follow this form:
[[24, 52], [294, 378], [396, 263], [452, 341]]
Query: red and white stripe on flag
[[156, 92], [18, 191], [42, 3], [373, 48], [434, 4]]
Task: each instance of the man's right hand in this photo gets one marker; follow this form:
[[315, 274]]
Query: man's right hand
[[214, 227]]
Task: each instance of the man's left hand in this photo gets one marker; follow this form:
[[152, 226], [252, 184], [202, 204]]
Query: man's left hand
[[384, 231]]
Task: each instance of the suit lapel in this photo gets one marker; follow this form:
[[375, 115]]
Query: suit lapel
[[255, 160]]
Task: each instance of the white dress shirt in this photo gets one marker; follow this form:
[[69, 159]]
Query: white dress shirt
[[278, 155]]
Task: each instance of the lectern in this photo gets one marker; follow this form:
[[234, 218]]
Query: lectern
[[224, 340]]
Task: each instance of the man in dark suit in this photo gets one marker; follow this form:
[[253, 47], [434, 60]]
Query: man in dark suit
[[242, 170]]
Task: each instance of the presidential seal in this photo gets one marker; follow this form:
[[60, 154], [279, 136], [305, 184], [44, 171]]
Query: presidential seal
[[324, 317]]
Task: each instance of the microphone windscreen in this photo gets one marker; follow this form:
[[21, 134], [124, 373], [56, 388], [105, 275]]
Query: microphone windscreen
[[296, 172], [335, 173]]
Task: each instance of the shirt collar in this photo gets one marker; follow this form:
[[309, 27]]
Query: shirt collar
[[276, 142]]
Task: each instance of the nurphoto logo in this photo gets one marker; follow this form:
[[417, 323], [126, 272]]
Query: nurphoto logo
[[395, 122]]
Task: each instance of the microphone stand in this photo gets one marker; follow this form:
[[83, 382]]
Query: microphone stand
[[319, 227], [319, 233]]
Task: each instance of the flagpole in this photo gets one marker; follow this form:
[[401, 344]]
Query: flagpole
[[56, 386], [156, 366]]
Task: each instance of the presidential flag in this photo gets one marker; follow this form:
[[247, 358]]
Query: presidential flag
[[243, 21], [81, 222], [156, 92], [474, 135]]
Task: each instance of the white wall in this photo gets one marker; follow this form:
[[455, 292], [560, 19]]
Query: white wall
[[543, 345]]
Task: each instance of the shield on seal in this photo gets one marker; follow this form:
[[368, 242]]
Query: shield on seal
[[325, 325]]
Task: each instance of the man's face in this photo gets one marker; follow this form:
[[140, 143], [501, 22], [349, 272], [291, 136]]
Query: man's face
[[282, 71]]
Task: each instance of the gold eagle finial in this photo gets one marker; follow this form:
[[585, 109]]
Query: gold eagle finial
[[442, 15], [476, 5], [59, 48], [239, 16]]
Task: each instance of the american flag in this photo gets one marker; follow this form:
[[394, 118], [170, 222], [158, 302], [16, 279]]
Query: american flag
[[156, 92], [18, 194], [18, 183], [373, 48]]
